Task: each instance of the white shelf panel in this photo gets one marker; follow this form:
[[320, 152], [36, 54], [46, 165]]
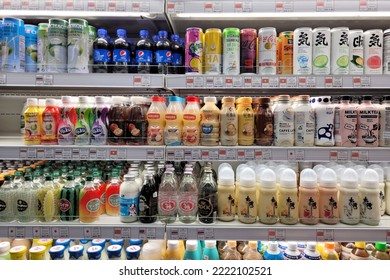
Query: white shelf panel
[[106, 227], [320, 232], [93, 80]]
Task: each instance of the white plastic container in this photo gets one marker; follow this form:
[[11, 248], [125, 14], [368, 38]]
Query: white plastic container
[[267, 201], [129, 192], [382, 196], [373, 52], [370, 213], [308, 197], [340, 51], [247, 203], [324, 112], [304, 122], [349, 197], [321, 51], [328, 203], [292, 252], [368, 123], [226, 194], [303, 51], [284, 122], [356, 52]]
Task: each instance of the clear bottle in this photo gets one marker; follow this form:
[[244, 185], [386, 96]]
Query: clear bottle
[[148, 200], [311, 252], [191, 120], [210, 122], [292, 252], [284, 122], [4, 250], [69, 200], [112, 195], [229, 122], [84, 121], [304, 122], [231, 252], [116, 121], [188, 198], [136, 121], [268, 200], [380, 252], [99, 129], [369, 198], [288, 197], [328, 202], [349, 197], [168, 198], [367, 123], [89, 203], [210, 251], [26, 201], [128, 201], [309, 196], [47, 200], [226, 195], [246, 196], [359, 252], [57, 252], [246, 121], [345, 124], [264, 121], [207, 198], [252, 253], [173, 130]]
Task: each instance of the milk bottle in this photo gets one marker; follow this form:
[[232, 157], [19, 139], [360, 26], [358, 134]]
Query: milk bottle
[[209, 123], [226, 194], [328, 203], [247, 204], [382, 197], [229, 122], [304, 122], [324, 113], [369, 198], [268, 204], [284, 122], [384, 118], [368, 123], [308, 197], [349, 197], [288, 197]]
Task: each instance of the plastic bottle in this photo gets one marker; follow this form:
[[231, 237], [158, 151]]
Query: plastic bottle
[[116, 121], [329, 252], [26, 199], [50, 122], [309, 196], [191, 120], [192, 252], [4, 250], [311, 253], [136, 121], [210, 251], [66, 243], [133, 252], [252, 253], [273, 253], [76, 252], [69, 200], [359, 252], [48, 197], [144, 53], [172, 252], [151, 251], [384, 114], [267, 201], [67, 122], [122, 53], [128, 200], [292, 252], [369, 198], [367, 123], [304, 122], [229, 122], [247, 203], [101, 53], [382, 196], [89, 202], [114, 252], [37, 253], [264, 121], [207, 198], [94, 252], [226, 195], [231, 252], [102, 243], [156, 121], [328, 203], [210, 122], [177, 55], [168, 198], [84, 121], [284, 122], [324, 114], [349, 197], [18, 253], [57, 252], [112, 195], [173, 122], [345, 123], [148, 200], [188, 198], [163, 53], [99, 131], [380, 252], [100, 184], [288, 197], [32, 123], [246, 121]]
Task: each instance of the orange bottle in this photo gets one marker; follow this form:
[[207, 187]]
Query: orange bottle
[[112, 195], [89, 206], [50, 121]]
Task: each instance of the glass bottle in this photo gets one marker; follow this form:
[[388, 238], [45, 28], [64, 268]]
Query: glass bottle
[[188, 198], [148, 200], [264, 121], [7, 200], [167, 198], [26, 201], [69, 200], [252, 253], [89, 202], [47, 201], [207, 198], [231, 252]]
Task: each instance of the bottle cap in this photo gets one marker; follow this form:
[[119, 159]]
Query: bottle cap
[[284, 98], [381, 246], [349, 179], [345, 98], [248, 178], [65, 242], [329, 245], [135, 242], [144, 33], [224, 164], [210, 243], [129, 177], [308, 178], [102, 32], [121, 33], [94, 252], [32, 102], [18, 251], [240, 168], [311, 246], [83, 99], [114, 251], [328, 178], [100, 99], [133, 252], [192, 99], [50, 102], [381, 176], [292, 246], [252, 244], [100, 242], [67, 99], [174, 99], [360, 245], [163, 34], [226, 176], [191, 245], [273, 246], [173, 244], [228, 99], [175, 37], [267, 178], [211, 99], [232, 243], [117, 242], [116, 100], [5, 247], [367, 97], [57, 252], [37, 251], [304, 97], [370, 179], [288, 179], [244, 100]]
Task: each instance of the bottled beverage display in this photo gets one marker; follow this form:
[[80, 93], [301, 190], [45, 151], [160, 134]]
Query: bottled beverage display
[[121, 53], [144, 53], [148, 200], [102, 55], [163, 53]]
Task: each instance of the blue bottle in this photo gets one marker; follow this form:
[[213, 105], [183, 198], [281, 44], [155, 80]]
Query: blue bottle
[[121, 56], [273, 253], [177, 55], [144, 53], [133, 252], [192, 251], [57, 252], [94, 252], [210, 251], [101, 52], [163, 53]]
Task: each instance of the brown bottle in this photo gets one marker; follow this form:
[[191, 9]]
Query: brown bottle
[[380, 252], [231, 252], [359, 252], [264, 120], [136, 121], [116, 128]]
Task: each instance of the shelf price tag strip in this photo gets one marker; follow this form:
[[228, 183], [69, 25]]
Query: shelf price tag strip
[[178, 234], [325, 6], [16, 232], [276, 235], [92, 232], [323, 235]]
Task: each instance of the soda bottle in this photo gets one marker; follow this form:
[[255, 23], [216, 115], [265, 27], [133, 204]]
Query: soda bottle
[[112, 195], [144, 53], [167, 198], [188, 198], [177, 55], [89, 203], [101, 53], [121, 56], [148, 200], [163, 53], [69, 199]]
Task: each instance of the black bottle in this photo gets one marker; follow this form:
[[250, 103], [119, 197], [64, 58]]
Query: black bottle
[[121, 57], [144, 53], [148, 200], [101, 53], [177, 55], [163, 53]]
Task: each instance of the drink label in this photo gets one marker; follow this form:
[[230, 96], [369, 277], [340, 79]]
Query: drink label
[[99, 128], [155, 135], [128, 206], [101, 55], [143, 56], [32, 129], [121, 56], [136, 132], [13, 46], [163, 56], [57, 49], [31, 48], [177, 59], [207, 209]]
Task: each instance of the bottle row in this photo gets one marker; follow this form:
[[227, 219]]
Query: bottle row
[[190, 193], [135, 249], [263, 121]]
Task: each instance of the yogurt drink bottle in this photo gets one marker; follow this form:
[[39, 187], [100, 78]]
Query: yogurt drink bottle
[[173, 122], [328, 199], [191, 120], [308, 198], [349, 197]]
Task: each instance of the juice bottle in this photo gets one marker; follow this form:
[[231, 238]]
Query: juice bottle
[[229, 122], [112, 195], [156, 121], [32, 123], [267, 202], [328, 202], [252, 253], [192, 252], [226, 194], [191, 119], [380, 252], [210, 251], [359, 252], [246, 121], [101, 185], [89, 202], [136, 121], [288, 197], [329, 252], [247, 203], [84, 122], [292, 252], [172, 252], [68, 118], [173, 122], [231, 252], [50, 121], [209, 122], [47, 202], [308, 197], [116, 121]]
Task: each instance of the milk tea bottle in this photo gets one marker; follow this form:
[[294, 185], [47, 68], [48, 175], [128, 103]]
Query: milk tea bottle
[[368, 123], [328, 203], [247, 203], [246, 121], [382, 196], [345, 123], [349, 197], [268, 200], [304, 122], [209, 123], [308, 197], [288, 197], [264, 121], [229, 122], [284, 122], [384, 118], [369, 200], [226, 194]]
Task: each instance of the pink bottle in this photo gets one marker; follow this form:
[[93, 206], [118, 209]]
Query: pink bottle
[[368, 123], [345, 123]]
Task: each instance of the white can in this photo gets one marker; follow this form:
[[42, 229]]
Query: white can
[[267, 51], [386, 51], [373, 52], [303, 51], [321, 51], [356, 52], [339, 64]]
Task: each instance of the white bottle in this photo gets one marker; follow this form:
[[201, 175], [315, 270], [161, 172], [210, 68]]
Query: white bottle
[[384, 118], [288, 197], [387, 191], [303, 51], [349, 197], [304, 122], [268, 199], [382, 195], [292, 252], [226, 194], [247, 204], [284, 122], [129, 192], [321, 51], [370, 213], [324, 133], [311, 252]]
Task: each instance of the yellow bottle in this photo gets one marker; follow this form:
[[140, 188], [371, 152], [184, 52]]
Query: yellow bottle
[[18, 253], [38, 253], [182, 249], [173, 122], [246, 121], [173, 252], [32, 123], [329, 252]]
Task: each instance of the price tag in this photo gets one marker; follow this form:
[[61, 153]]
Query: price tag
[[363, 156], [179, 155], [276, 235], [96, 232], [3, 78], [44, 80], [11, 232], [170, 155], [227, 154], [368, 5], [328, 82], [258, 154], [66, 154], [178, 234], [249, 154], [237, 81], [213, 154], [267, 154], [101, 5], [325, 6], [333, 155], [101, 154], [49, 153], [218, 81], [64, 232], [31, 153], [192, 82], [356, 81], [337, 82], [45, 232], [141, 81], [147, 233], [55, 232], [256, 82], [36, 232], [40, 153], [23, 153], [150, 154], [122, 233], [228, 82], [188, 154], [240, 155], [354, 156], [58, 153], [209, 81], [118, 154], [91, 6], [311, 82], [215, 7], [388, 236], [196, 154], [324, 235], [69, 5], [342, 156], [288, 82], [135, 7], [265, 82], [33, 4], [175, 7], [205, 233], [205, 155], [120, 6], [366, 81], [76, 154], [92, 153], [111, 6], [284, 6], [87, 232], [296, 155], [84, 154], [248, 82], [20, 232], [243, 7], [159, 154]]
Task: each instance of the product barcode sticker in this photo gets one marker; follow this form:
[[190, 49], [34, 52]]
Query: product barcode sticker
[[311, 82], [76, 154], [323, 235], [67, 153], [209, 81], [213, 154], [276, 235], [267, 154], [84, 154], [58, 153], [101, 154], [284, 6], [159, 154], [23, 153], [368, 5], [188, 154], [325, 6]]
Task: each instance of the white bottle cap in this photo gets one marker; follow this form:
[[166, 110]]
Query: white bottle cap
[[83, 99], [41, 102], [311, 246], [308, 179], [370, 179], [349, 179], [137, 100], [32, 101], [258, 170], [100, 99], [273, 246], [292, 246], [50, 102], [239, 169], [381, 176], [268, 179], [288, 179], [173, 244], [318, 166], [210, 243], [251, 164], [328, 178], [116, 100], [4, 247], [67, 99], [248, 178], [212, 99], [191, 245], [226, 176], [225, 164]]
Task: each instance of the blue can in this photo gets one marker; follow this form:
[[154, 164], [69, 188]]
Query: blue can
[[13, 45], [31, 32]]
